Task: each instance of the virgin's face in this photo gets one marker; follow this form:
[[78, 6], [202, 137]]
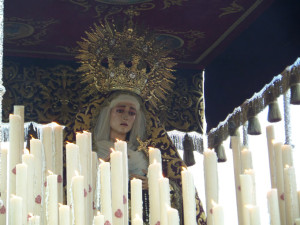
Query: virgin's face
[[122, 117]]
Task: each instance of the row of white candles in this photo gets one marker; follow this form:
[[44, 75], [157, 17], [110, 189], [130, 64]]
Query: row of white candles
[[38, 192]]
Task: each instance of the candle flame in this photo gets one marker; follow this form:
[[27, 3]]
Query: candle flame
[[249, 171], [183, 169], [76, 173], [287, 166], [54, 124], [50, 172], [86, 132], [32, 138], [60, 204], [112, 150], [68, 142], [98, 213], [213, 203], [248, 206], [137, 216], [30, 214], [101, 160]]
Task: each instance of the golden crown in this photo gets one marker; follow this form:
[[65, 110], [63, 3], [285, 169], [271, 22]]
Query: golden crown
[[125, 59]]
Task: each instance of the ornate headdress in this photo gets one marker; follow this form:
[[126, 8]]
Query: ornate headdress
[[113, 59]]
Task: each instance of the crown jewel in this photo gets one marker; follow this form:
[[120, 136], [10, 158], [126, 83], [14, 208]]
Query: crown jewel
[[124, 59]]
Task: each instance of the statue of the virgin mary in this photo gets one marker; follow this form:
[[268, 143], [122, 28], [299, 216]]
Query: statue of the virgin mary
[[129, 75]]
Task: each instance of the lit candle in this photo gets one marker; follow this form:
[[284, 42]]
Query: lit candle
[[82, 140], [246, 159], [21, 188], [137, 221], [47, 140], [94, 177], [217, 214], [247, 196], [58, 145], [72, 158], [287, 158], [236, 145], [211, 181], [273, 206], [116, 159], [15, 212], [51, 199], [290, 195], [28, 159], [279, 180], [154, 173], [19, 110], [105, 191], [270, 137], [188, 194], [154, 155], [3, 183], [254, 214], [78, 199], [136, 198], [99, 219], [14, 153], [38, 187], [34, 220], [64, 214], [122, 147], [165, 203], [173, 216]]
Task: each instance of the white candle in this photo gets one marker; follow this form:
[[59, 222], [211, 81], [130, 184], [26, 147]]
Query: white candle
[[34, 220], [105, 191], [136, 198], [99, 219], [19, 110], [47, 140], [297, 221], [211, 181], [14, 153], [64, 215], [254, 215], [236, 145], [280, 180], [3, 183], [38, 187], [15, 212], [154, 155], [72, 158], [51, 199], [122, 147], [247, 196], [252, 174], [21, 188], [116, 159], [173, 216], [188, 194], [94, 171], [82, 140], [287, 158], [217, 214], [246, 159], [273, 206], [28, 159], [290, 195], [58, 145], [154, 173], [78, 199], [270, 137], [165, 203], [137, 221]]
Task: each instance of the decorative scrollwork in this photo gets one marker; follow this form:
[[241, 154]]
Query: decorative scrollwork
[[169, 3], [233, 8]]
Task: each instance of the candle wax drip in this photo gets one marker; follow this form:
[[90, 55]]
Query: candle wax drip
[[2, 210], [45, 184], [14, 171], [119, 213], [94, 207], [28, 217], [211, 211], [59, 179], [158, 223], [107, 223], [90, 188], [38, 199], [282, 196], [124, 199], [85, 193]]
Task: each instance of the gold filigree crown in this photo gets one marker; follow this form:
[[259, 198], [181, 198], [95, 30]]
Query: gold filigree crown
[[126, 59]]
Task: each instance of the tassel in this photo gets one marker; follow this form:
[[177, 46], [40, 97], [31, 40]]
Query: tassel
[[274, 114], [295, 94], [254, 126], [220, 150], [188, 154]]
